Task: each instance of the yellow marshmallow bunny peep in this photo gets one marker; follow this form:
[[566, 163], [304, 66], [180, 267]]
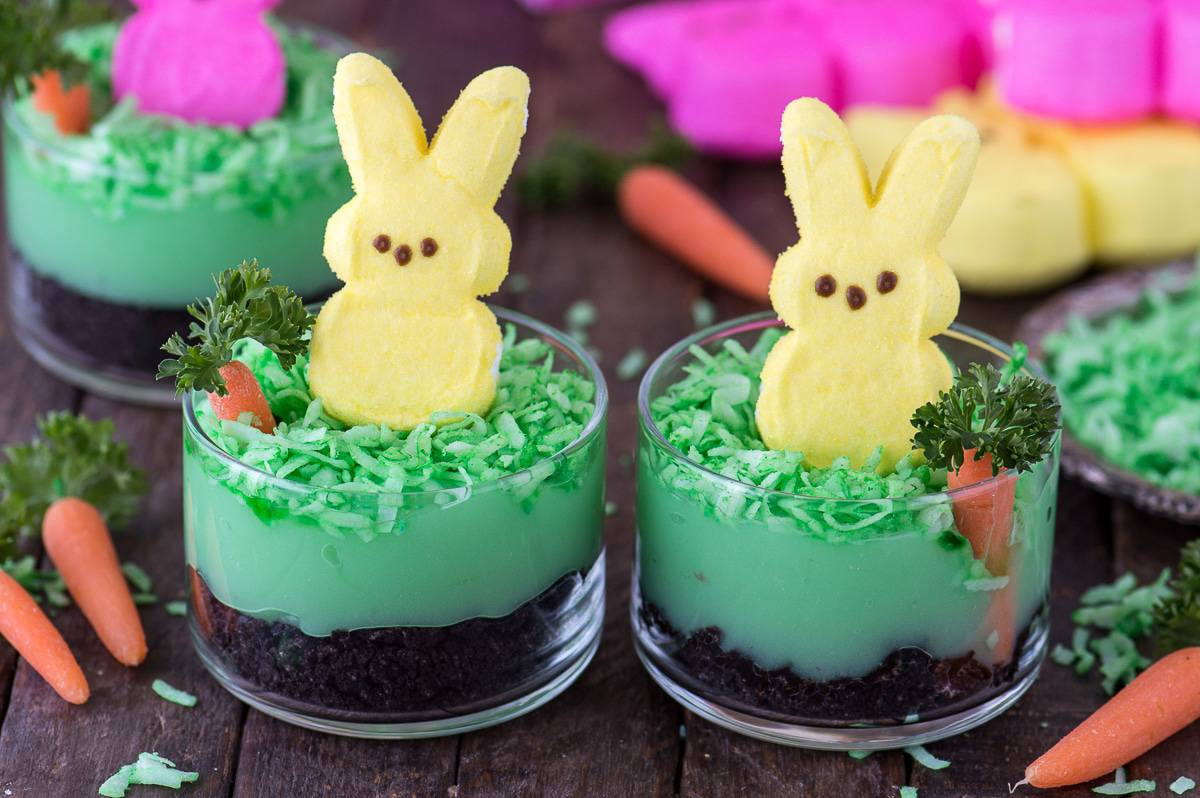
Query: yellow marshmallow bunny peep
[[417, 245], [864, 290]]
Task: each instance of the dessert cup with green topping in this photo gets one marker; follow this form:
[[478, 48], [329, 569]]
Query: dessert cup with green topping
[[829, 607], [114, 231], [364, 581]]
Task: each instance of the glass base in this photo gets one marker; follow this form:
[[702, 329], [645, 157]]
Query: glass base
[[57, 355], [843, 737], [568, 658]]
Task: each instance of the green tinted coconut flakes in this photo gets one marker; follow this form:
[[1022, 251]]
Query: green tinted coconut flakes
[[709, 416], [538, 411], [152, 161], [173, 694], [1182, 784], [150, 770], [1130, 386]]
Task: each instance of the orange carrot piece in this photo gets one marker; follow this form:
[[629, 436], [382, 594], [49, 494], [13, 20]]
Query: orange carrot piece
[[79, 545], [26, 627], [984, 516], [672, 213], [71, 108], [245, 395], [1161, 701]]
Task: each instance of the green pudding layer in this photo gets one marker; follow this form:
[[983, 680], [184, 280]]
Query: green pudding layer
[[369, 527], [142, 209], [822, 570]]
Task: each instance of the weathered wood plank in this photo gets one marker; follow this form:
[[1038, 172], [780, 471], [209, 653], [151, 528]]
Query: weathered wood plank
[[281, 761], [50, 748]]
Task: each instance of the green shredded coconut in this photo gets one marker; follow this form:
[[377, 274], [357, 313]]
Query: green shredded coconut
[[859, 754], [137, 577], [1182, 784], [704, 313], [144, 599], [44, 586], [538, 411], [709, 416], [632, 365], [908, 792], [154, 161], [173, 694], [926, 759], [149, 770], [1129, 388], [1126, 788], [579, 317], [610, 509], [176, 608], [1126, 612]]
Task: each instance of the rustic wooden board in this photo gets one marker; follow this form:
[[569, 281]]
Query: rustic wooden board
[[614, 732]]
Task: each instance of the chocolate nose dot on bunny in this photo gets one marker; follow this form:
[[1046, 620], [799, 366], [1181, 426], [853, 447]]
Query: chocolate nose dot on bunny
[[429, 247], [382, 243], [403, 254], [826, 285], [886, 282], [855, 297]]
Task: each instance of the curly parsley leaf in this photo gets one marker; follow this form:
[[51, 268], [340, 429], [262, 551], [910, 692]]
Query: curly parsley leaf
[[1011, 417], [71, 456], [245, 305], [1177, 617]]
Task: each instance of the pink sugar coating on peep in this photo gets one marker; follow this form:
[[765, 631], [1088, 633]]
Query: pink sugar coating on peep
[[1181, 59], [733, 98], [1083, 60], [727, 68], [203, 61], [897, 54]]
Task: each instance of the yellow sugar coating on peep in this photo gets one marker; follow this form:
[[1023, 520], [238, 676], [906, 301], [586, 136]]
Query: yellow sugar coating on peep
[[864, 290], [1142, 183], [417, 245], [1022, 225]]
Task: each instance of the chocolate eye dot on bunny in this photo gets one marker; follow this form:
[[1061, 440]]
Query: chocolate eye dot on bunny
[[395, 345], [808, 402]]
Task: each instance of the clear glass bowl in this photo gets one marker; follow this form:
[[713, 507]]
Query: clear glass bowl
[[104, 255], [399, 614], [834, 623]]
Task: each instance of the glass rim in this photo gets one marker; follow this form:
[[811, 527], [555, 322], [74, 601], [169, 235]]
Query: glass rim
[[586, 436], [761, 321], [326, 38]]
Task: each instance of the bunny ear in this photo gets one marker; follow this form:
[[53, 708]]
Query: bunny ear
[[377, 124], [481, 135], [927, 176], [826, 178]]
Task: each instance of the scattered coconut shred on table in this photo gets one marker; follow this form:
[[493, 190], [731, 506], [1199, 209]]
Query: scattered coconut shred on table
[[149, 770]]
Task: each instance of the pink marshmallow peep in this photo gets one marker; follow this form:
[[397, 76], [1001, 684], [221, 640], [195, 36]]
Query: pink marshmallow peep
[[727, 68], [1181, 59], [1082, 60], [210, 62]]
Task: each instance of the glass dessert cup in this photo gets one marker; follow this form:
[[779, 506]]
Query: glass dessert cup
[[832, 623], [104, 253], [399, 614]]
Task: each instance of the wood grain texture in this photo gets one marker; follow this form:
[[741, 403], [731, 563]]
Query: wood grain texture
[[614, 732]]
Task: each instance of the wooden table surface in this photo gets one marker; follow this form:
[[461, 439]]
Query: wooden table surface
[[614, 733]]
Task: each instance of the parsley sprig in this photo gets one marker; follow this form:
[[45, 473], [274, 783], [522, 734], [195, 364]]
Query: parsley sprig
[[1011, 417], [1177, 617], [71, 456], [246, 305], [29, 39]]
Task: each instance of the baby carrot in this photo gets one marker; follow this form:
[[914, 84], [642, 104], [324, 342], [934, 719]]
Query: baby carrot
[[26, 627], [77, 540], [673, 214], [1155, 705], [71, 108], [245, 396], [984, 517]]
